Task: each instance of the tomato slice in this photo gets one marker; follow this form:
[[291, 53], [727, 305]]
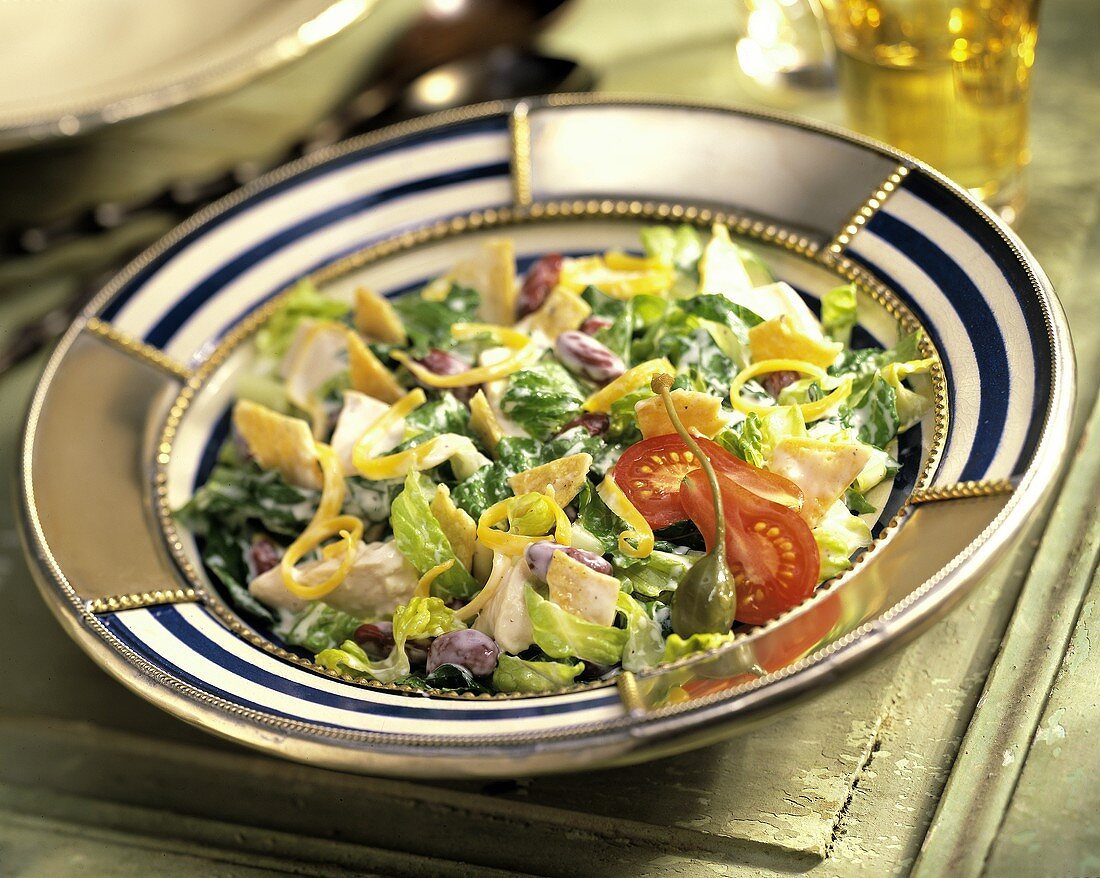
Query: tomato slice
[[769, 547], [650, 472]]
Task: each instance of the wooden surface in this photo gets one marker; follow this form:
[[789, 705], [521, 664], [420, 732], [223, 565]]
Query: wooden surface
[[94, 779]]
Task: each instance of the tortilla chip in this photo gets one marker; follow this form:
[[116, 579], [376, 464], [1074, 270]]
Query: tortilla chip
[[376, 318], [562, 311], [458, 527], [279, 442], [699, 411], [368, 374], [566, 476], [778, 339], [493, 274], [823, 470], [484, 422], [580, 590]]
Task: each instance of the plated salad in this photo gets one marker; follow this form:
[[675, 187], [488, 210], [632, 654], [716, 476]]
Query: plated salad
[[512, 483]]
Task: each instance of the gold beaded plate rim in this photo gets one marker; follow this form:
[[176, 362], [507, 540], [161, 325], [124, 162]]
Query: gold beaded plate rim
[[633, 736], [498, 218]]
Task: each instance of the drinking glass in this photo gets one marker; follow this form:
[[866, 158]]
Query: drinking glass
[[945, 80]]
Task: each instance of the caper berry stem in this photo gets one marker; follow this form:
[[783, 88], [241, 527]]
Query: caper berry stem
[[661, 384]]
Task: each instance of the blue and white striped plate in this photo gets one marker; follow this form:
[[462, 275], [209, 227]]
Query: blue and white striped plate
[[133, 404]]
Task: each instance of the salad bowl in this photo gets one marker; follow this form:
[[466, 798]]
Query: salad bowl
[[133, 405]]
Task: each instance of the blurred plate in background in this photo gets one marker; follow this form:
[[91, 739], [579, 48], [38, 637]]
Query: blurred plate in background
[[76, 66]]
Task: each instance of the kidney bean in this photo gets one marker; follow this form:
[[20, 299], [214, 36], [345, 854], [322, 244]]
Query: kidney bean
[[444, 363], [417, 651], [263, 555], [585, 356], [596, 423], [473, 650], [540, 554], [594, 324], [376, 638], [540, 279], [775, 381]]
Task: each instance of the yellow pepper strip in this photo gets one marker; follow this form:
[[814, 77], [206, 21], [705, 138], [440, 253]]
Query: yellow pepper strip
[[619, 261], [333, 485], [424, 585], [348, 528], [810, 410], [629, 381], [617, 275], [640, 531], [327, 522], [516, 544], [526, 353], [502, 565], [420, 457], [408, 403]]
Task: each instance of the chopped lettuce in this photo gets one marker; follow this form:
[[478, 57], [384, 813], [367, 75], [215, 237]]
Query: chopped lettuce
[[677, 647], [443, 415], [317, 627], [304, 302], [489, 484], [623, 421], [839, 535], [911, 406], [238, 492], [420, 618], [224, 552], [658, 574], [542, 399], [875, 418], [645, 642], [680, 247], [838, 313], [596, 522], [422, 541], [519, 675], [428, 323], [560, 634], [754, 438], [371, 499]]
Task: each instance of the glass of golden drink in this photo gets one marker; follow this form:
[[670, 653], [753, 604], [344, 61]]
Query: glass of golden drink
[[945, 81]]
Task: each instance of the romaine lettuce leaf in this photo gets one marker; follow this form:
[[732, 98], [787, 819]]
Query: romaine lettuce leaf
[[595, 520], [680, 247], [911, 406], [875, 418], [238, 492], [561, 635], [839, 535], [838, 313], [656, 574], [542, 399], [623, 425], [489, 484], [419, 618], [421, 540], [443, 415], [518, 675], [754, 438], [428, 323], [317, 627], [304, 302], [645, 643]]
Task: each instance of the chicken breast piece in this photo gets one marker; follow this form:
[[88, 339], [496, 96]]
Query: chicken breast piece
[[379, 581]]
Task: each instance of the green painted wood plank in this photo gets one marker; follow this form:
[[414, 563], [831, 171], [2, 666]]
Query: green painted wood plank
[[1058, 783], [989, 765], [135, 841]]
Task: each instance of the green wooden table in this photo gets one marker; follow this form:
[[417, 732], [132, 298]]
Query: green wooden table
[[971, 752]]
